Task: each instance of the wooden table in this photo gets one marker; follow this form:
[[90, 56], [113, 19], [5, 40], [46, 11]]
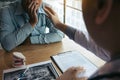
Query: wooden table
[[38, 53]]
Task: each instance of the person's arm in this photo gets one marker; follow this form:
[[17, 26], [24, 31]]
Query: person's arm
[[87, 42], [54, 35], [76, 35], [10, 35]]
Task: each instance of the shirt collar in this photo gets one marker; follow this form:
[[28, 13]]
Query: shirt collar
[[20, 11]]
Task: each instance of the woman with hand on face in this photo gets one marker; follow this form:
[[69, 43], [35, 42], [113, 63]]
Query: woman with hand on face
[[26, 21]]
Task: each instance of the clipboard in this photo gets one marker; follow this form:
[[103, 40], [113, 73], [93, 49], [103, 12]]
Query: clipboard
[[69, 59]]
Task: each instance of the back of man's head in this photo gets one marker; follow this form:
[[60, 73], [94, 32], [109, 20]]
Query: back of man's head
[[103, 22]]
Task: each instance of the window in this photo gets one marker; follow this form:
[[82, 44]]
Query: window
[[69, 11]]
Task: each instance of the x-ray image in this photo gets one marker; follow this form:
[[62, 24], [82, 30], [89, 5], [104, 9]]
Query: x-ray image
[[37, 72]]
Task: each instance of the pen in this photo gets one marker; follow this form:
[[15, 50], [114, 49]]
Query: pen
[[26, 70], [23, 73]]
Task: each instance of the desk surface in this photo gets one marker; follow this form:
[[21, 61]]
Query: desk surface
[[38, 53]]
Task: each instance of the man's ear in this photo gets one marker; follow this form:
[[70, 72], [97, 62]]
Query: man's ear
[[104, 9]]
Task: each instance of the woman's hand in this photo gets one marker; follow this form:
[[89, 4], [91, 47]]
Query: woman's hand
[[31, 8], [71, 74], [32, 12]]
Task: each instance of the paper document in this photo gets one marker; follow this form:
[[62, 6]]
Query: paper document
[[73, 58]]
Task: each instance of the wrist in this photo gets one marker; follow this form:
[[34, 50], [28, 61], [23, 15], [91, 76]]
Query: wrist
[[61, 26], [58, 25]]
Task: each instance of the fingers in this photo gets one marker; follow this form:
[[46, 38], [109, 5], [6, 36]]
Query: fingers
[[50, 10], [77, 70], [32, 12], [35, 8], [70, 74], [31, 7]]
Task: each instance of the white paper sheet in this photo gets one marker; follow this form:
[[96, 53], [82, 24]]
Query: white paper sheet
[[73, 58]]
